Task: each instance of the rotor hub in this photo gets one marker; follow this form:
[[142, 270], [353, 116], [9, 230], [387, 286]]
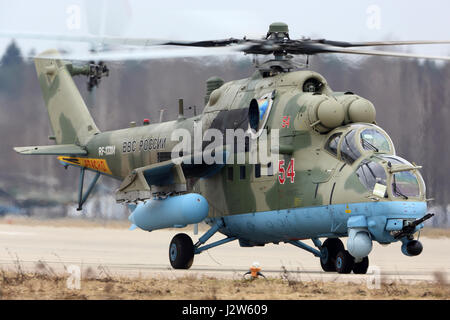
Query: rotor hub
[[278, 30]]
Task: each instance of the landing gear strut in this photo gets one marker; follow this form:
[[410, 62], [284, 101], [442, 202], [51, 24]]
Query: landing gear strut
[[182, 249]]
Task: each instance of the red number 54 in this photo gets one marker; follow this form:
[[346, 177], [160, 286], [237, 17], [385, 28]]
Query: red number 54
[[283, 174]]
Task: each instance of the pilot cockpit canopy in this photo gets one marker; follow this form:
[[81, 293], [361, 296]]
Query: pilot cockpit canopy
[[353, 141]]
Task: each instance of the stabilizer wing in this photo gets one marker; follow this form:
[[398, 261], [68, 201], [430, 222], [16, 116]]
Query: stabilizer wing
[[60, 150]]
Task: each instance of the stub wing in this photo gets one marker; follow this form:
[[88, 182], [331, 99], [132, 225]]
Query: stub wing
[[59, 150], [165, 178], [141, 183]]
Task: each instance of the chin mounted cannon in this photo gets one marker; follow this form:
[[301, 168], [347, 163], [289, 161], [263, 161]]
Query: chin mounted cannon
[[411, 247], [94, 71], [359, 242]]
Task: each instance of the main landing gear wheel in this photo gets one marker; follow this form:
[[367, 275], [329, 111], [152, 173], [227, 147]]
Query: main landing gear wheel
[[181, 251], [344, 262], [361, 267], [330, 249]]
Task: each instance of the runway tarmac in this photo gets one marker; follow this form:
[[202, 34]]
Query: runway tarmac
[[141, 253]]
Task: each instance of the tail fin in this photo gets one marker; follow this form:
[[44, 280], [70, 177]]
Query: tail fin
[[69, 117]]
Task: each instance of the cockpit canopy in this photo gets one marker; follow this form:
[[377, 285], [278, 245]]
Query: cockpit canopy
[[407, 183], [381, 175], [379, 170], [352, 142]]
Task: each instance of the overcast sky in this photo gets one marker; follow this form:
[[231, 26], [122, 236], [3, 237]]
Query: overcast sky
[[359, 20]]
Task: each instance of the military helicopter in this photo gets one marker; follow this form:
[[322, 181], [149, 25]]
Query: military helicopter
[[292, 159]]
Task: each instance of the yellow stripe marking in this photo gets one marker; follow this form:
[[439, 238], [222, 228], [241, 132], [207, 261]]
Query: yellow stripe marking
[[95, 164]]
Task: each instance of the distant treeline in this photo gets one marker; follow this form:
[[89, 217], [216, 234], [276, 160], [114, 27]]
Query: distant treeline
[[412, 99]]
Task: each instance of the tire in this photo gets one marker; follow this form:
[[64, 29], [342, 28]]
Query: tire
[[344, 262], [361, 267], [330, 248], [181, 251]]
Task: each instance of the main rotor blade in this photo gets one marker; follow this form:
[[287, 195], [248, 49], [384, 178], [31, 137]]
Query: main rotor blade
[[107, 40], [161, 48], [95, 40], [382, 53], [208, 43], [157, 52], [345, 44]]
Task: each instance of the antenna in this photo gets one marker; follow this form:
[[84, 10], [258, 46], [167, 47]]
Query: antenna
[[180, 109]]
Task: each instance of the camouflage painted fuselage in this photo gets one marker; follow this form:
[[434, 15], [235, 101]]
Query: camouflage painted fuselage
[[335, 169], [318, 179]]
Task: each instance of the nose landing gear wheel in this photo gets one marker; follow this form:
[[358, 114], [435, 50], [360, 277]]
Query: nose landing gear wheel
[[181, 251], [330, 249], [344, 262], [361, 267]]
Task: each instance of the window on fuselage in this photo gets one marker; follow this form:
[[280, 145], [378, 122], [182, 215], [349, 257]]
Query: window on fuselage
[[371, 173], [405, 184], [372, 139], [349, 148], [332, 143]]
